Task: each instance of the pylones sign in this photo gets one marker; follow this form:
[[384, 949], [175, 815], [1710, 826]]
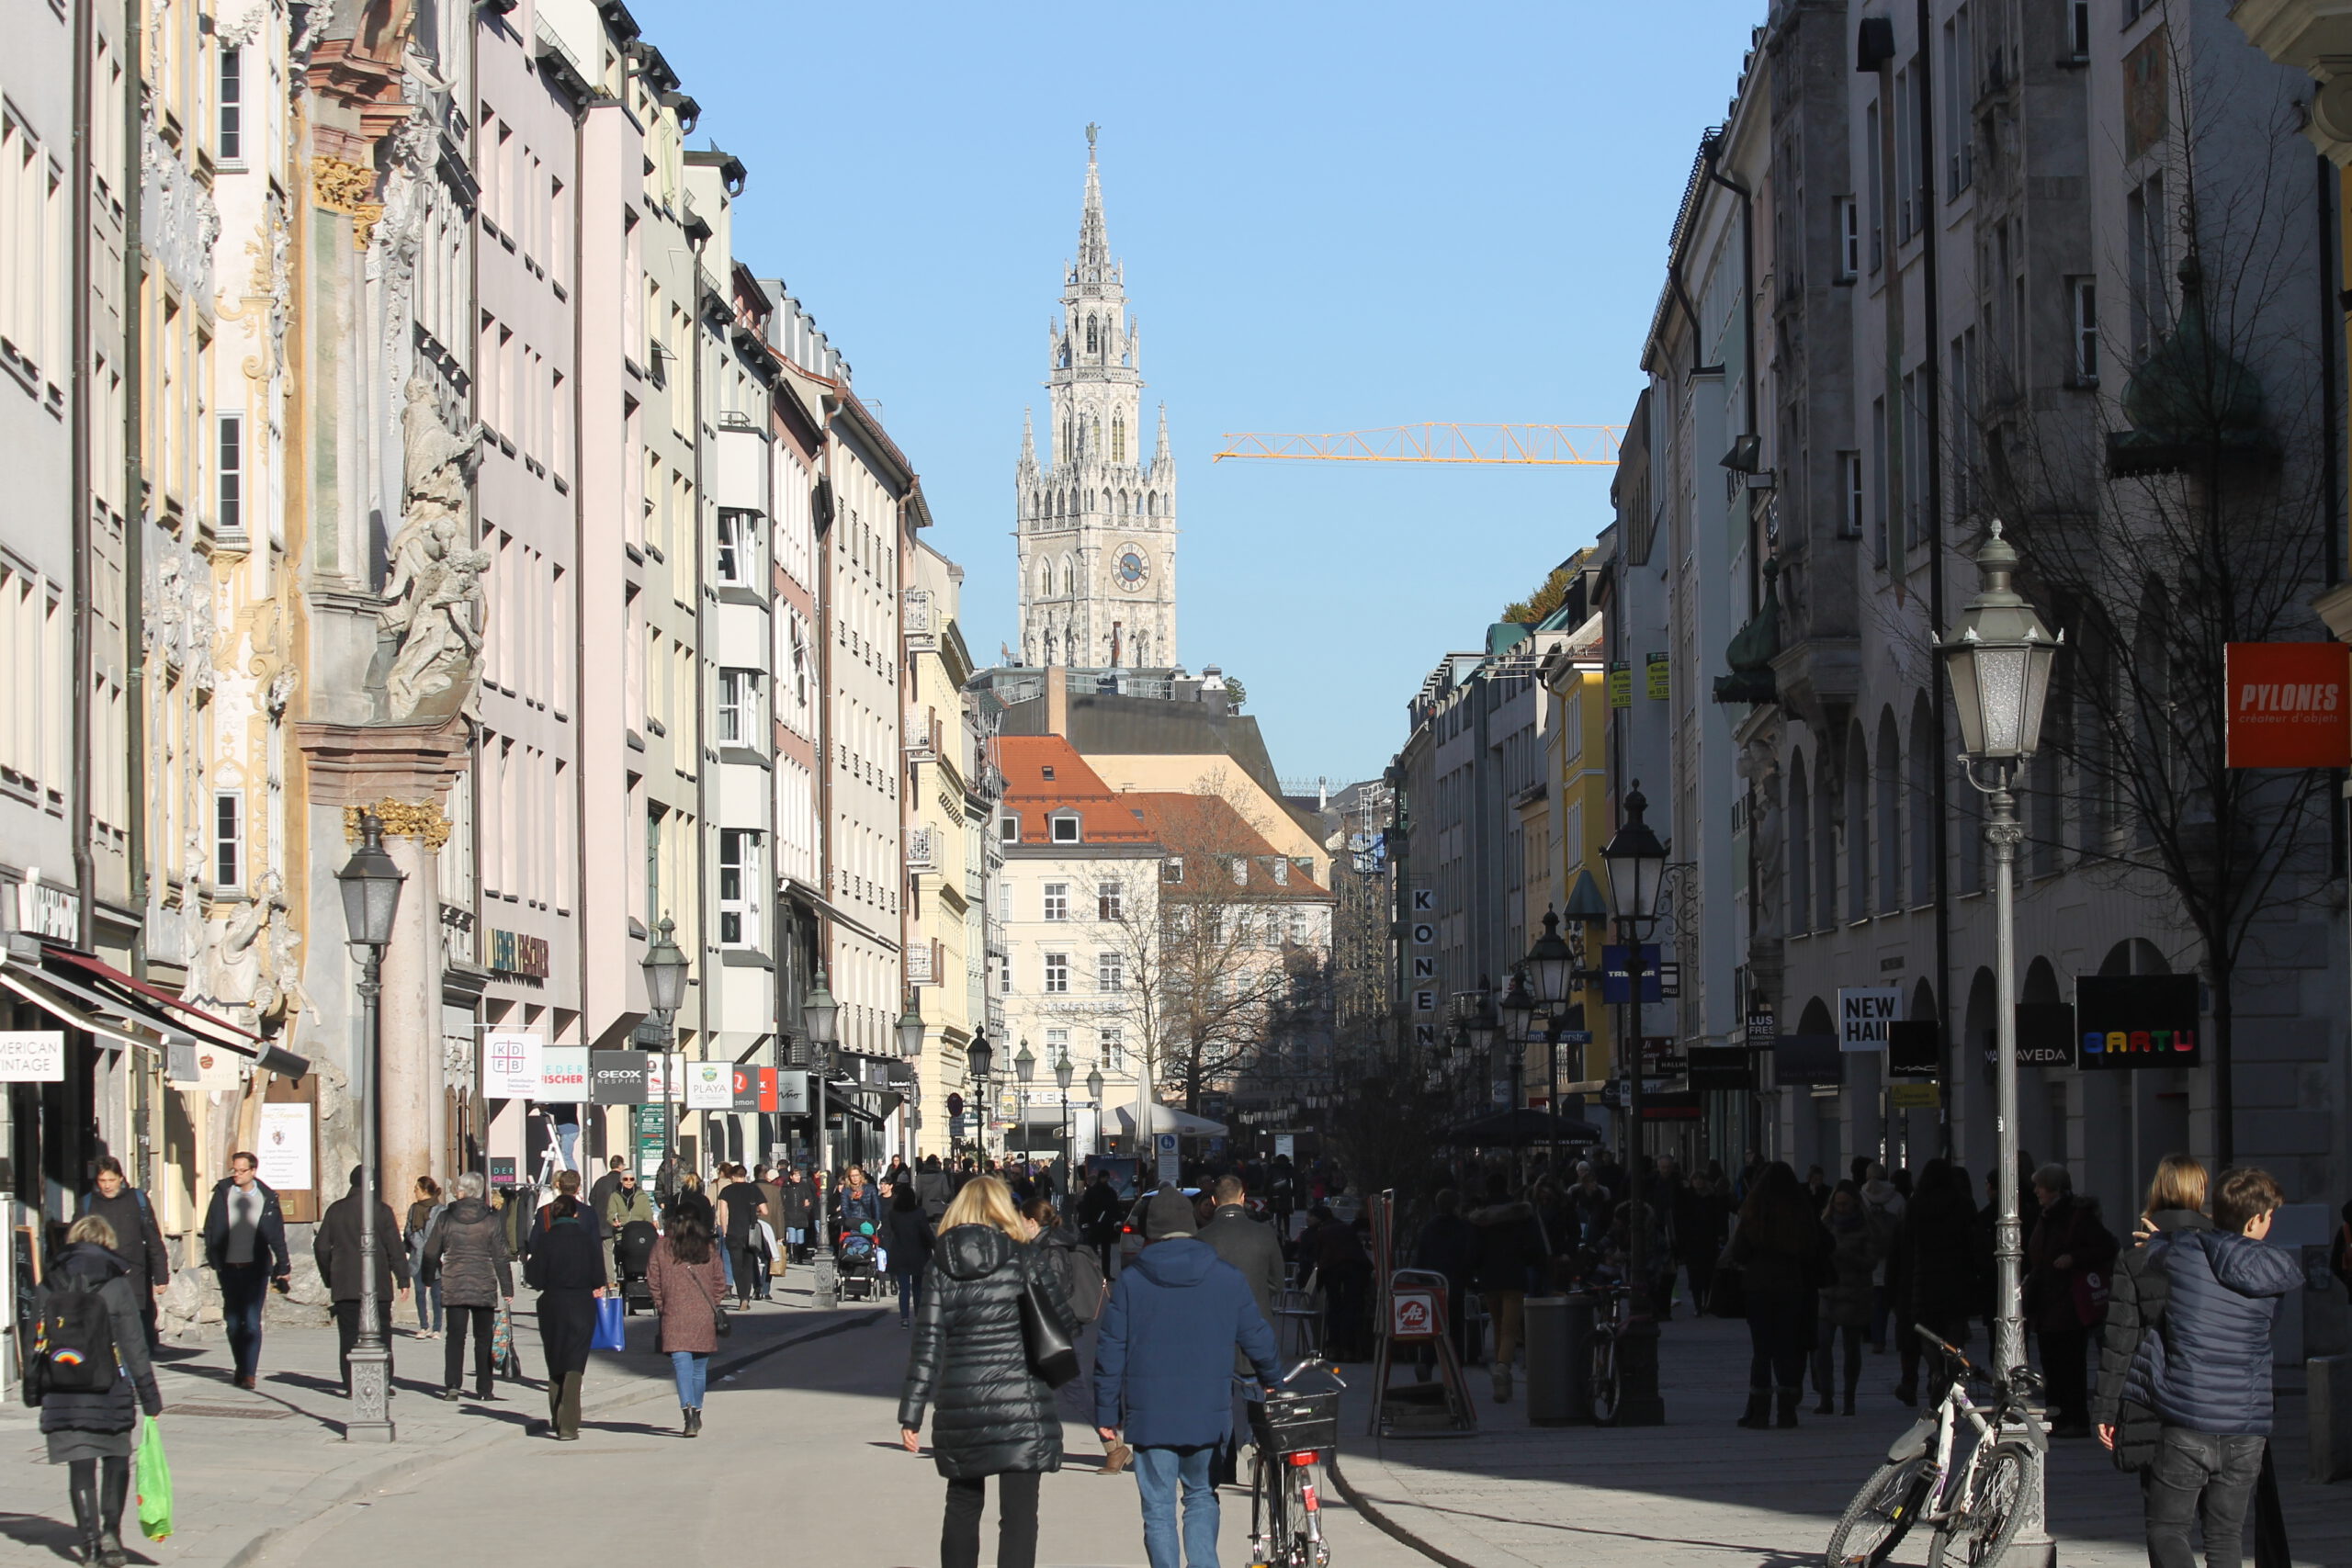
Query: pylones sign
[[2287, 704]]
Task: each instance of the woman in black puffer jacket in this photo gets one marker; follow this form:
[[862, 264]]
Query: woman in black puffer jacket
[[1939, 1273], [994, 1417], [88, 1432], [2135, 1308]]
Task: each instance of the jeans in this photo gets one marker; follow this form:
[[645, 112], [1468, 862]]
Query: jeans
[[691, 1371], [727, 1258], [483, 1322], [1158, 1472], [244, 1287], [910, 1298], [567, 1138], [2193, 1466], [1509, 1309], [1779, 1327], [428, 1305], [1016, 1521], [1825, 1356]]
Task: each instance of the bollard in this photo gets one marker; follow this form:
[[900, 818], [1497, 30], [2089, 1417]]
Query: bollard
[[2328, 1379]]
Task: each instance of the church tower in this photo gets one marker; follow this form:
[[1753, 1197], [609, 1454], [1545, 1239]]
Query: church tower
[[1097, 522]]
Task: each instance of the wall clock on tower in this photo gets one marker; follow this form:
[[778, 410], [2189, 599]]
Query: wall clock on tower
[[1130, 569]]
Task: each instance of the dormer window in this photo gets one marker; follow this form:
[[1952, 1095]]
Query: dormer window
[[1008, 829], [1172, 868], [1281, 873], [1065, 829], [1240, 866], [1049, 774]]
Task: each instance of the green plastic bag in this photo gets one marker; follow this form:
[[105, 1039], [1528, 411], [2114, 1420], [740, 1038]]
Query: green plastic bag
[[154, 1478]]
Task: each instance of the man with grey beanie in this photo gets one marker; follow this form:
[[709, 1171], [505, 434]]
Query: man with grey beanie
[[1163, 1366]]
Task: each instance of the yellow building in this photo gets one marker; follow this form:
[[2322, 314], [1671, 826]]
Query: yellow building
[[1577, 808]]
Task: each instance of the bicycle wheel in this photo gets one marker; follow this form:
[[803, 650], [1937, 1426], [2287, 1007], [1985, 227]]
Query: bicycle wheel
[[1304, 1549], [1266, 1522], [1978, 1538], [1604, 1380], [1880, 1515]]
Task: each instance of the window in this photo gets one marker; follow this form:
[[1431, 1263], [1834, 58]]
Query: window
[[1874, 159], [1240, 866], [1056, 1045], [2082, 295], [1109, 901], [229, 511], [1878, 480], [2082, 30], [1008, 829], [1110, 972], [1849, 494], [1065, 829], [2143, 233], [1960, 152], [228, 143], [738, 547], [1058, 900], [739, 707], [228, 840], [1004, 901], [1849, 240], [1056, 972], [1298, 927], [739, 883], [1113, 1045], [1172, 868]]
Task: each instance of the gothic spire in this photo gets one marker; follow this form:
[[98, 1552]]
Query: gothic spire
[[1028, 443], [1159, 453], [1094, 244]]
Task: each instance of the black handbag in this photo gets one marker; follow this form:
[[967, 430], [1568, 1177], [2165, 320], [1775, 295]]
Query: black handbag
[[719, 1323], [1051, 1355]]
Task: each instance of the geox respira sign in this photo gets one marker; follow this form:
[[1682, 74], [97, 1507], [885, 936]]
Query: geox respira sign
[[2137, 1021]]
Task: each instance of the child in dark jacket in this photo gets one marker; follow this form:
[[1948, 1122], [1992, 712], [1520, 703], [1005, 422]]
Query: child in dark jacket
[[2206, 1373]]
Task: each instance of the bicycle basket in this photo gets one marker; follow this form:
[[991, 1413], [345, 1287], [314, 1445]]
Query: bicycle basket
[[1295, 1423]]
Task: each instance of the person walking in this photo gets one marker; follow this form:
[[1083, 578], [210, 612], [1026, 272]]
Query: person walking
[[1448, 1244], [628, 1204], [425, 1212], [934, 1186], [799, 1211], [2135, 1308], [1848, 1299], [1510, 1249], [741, 1207], [769, 1179], [567, 1268], [687, 1284], [968, 1366], [90, 1430], [139, 1240], [907, 1234], [1883, 1205], [2067, 1262], [1939, 1273], [470, 1255], [1782, 1254], [1239, 1237], [245, 1246], [1163, 1363], [1701, 1226], [2208, 1375], [1099, 1212], [607, 1184], [340, 1256], [859, 1204]]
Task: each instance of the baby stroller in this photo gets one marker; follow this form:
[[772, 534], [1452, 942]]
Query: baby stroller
[[858, 1264], [632, 1256]]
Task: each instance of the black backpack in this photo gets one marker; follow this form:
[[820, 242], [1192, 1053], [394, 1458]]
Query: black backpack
[[74, 1342]]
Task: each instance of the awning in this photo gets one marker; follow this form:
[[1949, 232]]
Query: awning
[[88, 993], [1167, 1118]]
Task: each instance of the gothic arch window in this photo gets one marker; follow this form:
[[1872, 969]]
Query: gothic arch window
[[1098, 432], [1069, 578], [1093, 344], [1118, 438], [1044, 579]]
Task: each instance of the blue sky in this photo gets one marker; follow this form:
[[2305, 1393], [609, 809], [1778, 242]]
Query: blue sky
[[1332, 218]]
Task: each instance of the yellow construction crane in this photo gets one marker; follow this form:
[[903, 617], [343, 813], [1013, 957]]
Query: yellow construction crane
[[1546, 446]]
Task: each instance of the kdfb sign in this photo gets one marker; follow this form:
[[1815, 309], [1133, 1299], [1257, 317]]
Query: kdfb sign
[[2137, 1021], [2286, 706]]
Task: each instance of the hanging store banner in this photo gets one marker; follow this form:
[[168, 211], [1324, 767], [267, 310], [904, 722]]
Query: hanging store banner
[[710, 1085], [795, 1098], [617, 1077], [1912, 1048], [1914, 1096], [1812, 1059], [1661, 684], [1722, 1068], [1621, 683], [2287, 706], [510, 1065], [564, 1075], [32, 1055], [1613, 983], [2138, 1021], [1863, 1014]]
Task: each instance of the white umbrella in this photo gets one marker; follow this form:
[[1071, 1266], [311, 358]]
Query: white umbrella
[[1167, 1118]]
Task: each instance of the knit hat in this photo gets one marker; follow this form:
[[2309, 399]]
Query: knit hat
[[1169, 1213]]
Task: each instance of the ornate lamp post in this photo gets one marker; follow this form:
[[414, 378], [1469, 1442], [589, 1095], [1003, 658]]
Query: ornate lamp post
[[1063, 1072], [911, 1028], [1094, 1093], [1552, 965], [1999, 658], [820, 1019], [664, 966], [979, 1057], [371, 898], [1636, 862], [1024, 1067]]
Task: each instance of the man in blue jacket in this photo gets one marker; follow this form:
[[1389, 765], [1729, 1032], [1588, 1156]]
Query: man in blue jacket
[[1163, 1366], [2207, 1372]]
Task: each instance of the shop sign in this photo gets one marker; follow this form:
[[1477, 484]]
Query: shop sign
[[1912, 1048], [2138, 1021], [511, 952], [1864, 1014], [2287, 706], [1660, 683], [1614, 981], [564, 1075], [1416, 1314], [1810, 1059], [32, 1055], [1914, 1096], [2045, 1036], [1621, 683], [1722, 1068], [617, 1077], [510, 1064], [710, 1085], [282, 1144]]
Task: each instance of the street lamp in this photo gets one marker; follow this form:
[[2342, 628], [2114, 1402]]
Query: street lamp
[[1094, 1093], [1636, 862], [979, 1057], [665, 992], [1063, 1072], [1552, 962], [1024, 1067], [1999, 660], [820, 1019], [371, 898], [910, 1029]]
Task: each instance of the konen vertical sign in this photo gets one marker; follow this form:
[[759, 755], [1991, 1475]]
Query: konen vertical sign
[[2287, 703]]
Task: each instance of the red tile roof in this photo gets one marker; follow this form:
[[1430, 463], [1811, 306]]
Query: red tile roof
[[1104, 817], [1208, 825]]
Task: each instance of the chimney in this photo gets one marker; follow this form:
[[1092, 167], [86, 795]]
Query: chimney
[[1057, 701]]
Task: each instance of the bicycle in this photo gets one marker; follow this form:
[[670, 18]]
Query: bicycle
[[1293, 1432], [1954, 1469], [1609, 1320]]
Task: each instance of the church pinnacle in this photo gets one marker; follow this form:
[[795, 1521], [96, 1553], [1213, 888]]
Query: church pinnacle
[[1094, 240]]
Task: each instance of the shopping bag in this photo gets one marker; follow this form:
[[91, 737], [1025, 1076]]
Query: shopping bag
[[612, 1325], [154, 1478], [501, 1344]]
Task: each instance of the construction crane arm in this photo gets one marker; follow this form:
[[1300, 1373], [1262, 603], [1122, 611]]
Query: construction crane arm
[[1557, 446]]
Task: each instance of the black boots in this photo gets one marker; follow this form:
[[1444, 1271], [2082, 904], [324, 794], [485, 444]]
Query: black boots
[[693, 1422], [114, 1491], [1828, 1405], [1759, 1408], [85, 1493], [563, 1408], [1790, 1399]]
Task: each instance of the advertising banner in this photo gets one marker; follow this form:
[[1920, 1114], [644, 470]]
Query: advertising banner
[[795, 1098], [1722, 1068], [710, 1085], [617, 1077], [2124, 1022], [1912, 1048], [1613, 973], [564, 1075], [32, 1055], [1864, 1014], [282, 1144], [2286, 706], [1914, 1096], [510, 1065], [1807, 1059]]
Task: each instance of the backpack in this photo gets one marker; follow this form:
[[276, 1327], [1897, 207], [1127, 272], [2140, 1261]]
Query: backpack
[[74, 1340], [1083, 1281]]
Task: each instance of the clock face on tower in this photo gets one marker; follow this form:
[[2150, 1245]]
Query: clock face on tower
[[1130, 570]]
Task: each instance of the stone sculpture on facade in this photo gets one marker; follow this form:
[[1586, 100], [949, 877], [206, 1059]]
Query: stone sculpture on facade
[[435, 582], [249, 960]]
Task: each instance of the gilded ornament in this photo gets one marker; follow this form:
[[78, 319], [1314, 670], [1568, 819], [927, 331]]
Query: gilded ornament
[[402, 821]]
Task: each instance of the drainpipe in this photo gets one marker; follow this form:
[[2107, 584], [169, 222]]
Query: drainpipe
[[1939, 698], [1713, 153], [81, 382]]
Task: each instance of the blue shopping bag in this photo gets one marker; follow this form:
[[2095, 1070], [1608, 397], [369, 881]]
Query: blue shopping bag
[[612, 1325]]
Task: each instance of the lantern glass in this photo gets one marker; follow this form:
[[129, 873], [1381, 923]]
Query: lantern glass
[[665, 965], [371, 886], [1025, 1066], [979, 1056], [820, 1014], [1063, 1072], [1094, 1083], [910, 1029], [1999, 660], [1636, 862], [1551, 963], [1518, 1011]]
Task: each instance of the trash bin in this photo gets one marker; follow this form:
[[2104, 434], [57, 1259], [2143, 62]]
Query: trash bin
[[1559, 1360]]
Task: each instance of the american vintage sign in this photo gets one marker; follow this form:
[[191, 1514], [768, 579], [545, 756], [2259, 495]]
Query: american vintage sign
[[2287, 704]]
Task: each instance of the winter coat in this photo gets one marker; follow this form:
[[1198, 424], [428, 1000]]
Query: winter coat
[[601, 1192], [1251, 1247], [936, 1189], [798, 1203], [684, 1294], [138, 1239], [628, 1205], [2134, 1310], [2208, 1365], [338, 1253], [1782, 1268], [1163, 1361], [1702, 1222], [118, 1408], [1883, 1207], [862, 1207], [1939, 1269], [468, 1249], [568, 1256], [1510, 1244], [1855, 1253], [907, 1235], [1448, 1245], [2069, 1228], [970, 1360], [1098, 1213], [269, 1237]]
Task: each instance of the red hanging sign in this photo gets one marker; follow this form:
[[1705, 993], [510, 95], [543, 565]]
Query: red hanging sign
[[2287, 704]]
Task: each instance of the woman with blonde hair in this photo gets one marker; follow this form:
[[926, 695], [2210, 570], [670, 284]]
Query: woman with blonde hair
[[969, 1364], [90, 1415], [2136, 1305]]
